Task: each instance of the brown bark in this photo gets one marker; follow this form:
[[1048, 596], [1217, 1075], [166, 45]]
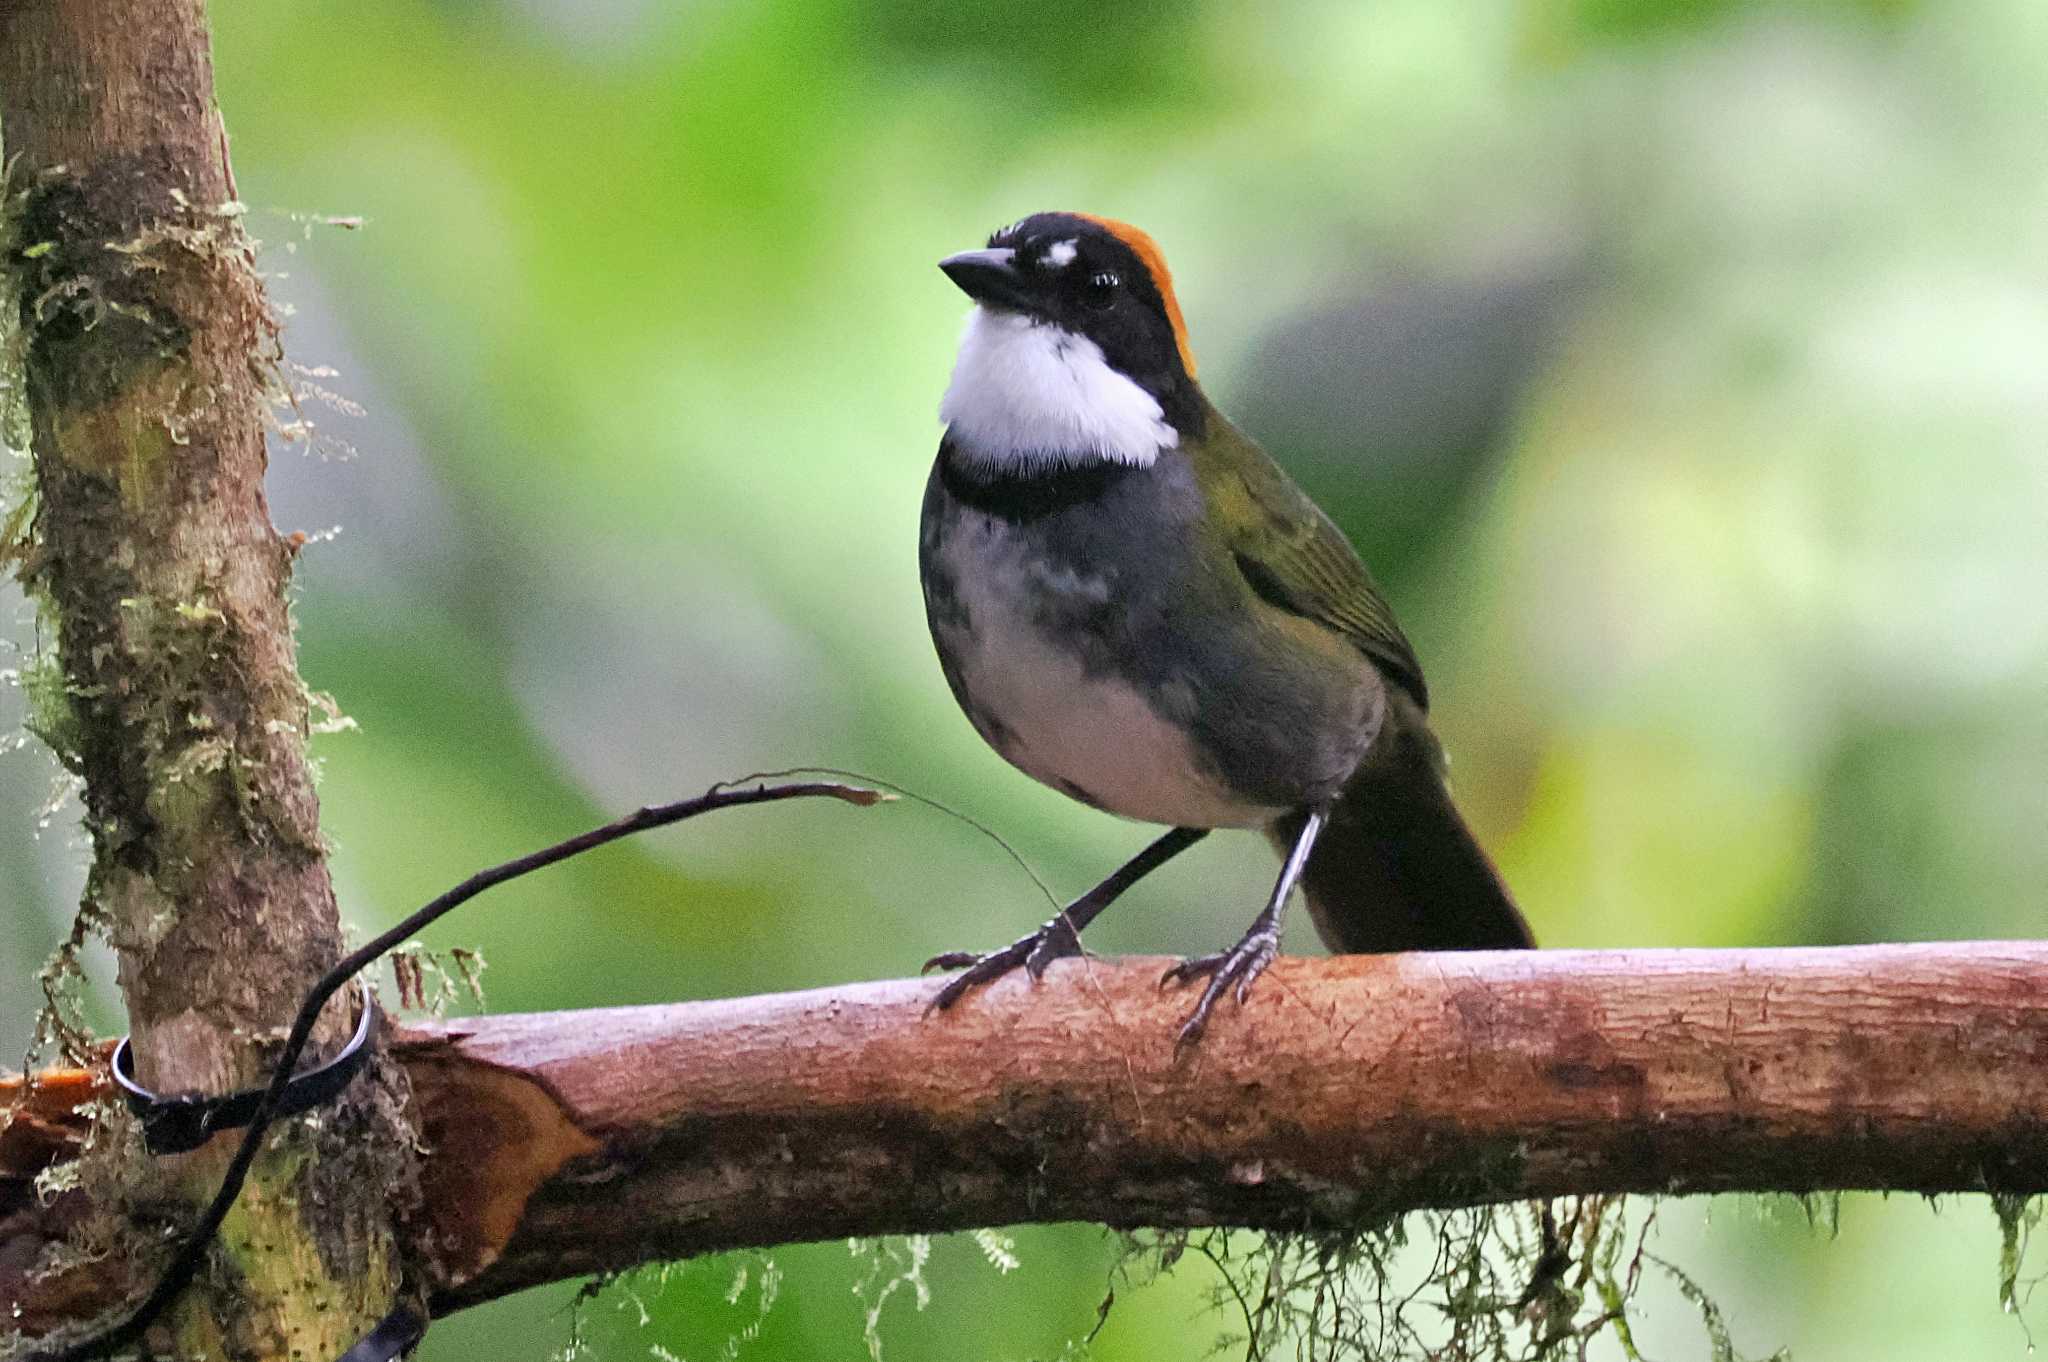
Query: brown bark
[[149, 354], [1348, 1090]]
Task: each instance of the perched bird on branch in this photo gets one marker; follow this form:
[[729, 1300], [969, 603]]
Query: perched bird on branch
[[1136, 606]]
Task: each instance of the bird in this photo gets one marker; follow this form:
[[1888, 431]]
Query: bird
[[1134, 604]]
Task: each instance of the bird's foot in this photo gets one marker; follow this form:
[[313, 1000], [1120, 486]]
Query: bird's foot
[[1055, 940], [1238, 966]]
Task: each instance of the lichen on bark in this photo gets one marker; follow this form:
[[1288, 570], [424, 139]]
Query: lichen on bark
[[149, 355]]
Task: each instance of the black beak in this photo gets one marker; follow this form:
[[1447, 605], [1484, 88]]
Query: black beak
[[989, 277]]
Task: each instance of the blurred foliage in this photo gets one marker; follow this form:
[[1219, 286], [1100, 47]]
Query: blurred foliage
[[1681, 366]]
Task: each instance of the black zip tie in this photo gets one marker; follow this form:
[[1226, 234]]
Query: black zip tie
[[394, 1336], [185, 1121]]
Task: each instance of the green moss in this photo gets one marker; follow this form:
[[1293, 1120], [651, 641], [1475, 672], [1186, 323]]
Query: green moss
[[2017, 1217], [48, 712], [1526, 1280], [14, 425], [430, 981]]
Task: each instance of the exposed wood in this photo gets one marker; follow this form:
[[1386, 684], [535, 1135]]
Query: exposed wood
[[497, 1136], [150, 356], [1349, 1089], [41, 1126]]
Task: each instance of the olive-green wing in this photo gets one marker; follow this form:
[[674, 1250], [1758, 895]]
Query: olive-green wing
[[1296, 559]]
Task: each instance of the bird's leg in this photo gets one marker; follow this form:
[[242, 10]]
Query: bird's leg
[[1061, 936], [1255, 950]]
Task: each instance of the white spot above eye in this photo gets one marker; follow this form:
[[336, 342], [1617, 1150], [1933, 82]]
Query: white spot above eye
[[1060, 254], [1028, 394]]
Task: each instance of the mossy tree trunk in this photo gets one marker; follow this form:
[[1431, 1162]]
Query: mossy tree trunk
[[151, 358]]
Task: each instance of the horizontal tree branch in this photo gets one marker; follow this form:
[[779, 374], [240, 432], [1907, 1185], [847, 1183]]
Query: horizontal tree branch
[[1348, 1089]]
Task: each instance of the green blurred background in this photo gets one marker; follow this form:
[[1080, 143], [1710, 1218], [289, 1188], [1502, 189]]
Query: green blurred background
[[1681, 368]]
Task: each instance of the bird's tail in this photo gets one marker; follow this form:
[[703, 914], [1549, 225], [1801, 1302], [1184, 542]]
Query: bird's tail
[[1396, 869]]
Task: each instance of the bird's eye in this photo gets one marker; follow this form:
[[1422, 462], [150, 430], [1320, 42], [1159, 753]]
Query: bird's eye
[[1100, 290]]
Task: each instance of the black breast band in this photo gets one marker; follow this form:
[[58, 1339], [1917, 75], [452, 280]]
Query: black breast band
[[1027, 494]]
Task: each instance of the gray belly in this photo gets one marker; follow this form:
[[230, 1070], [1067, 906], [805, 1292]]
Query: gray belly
[[1044, 703]]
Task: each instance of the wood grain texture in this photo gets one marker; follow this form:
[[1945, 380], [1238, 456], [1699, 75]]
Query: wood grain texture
[[1349, 1089]]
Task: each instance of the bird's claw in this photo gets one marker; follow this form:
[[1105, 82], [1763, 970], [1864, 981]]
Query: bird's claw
[[1056, 940], [1238, 966]]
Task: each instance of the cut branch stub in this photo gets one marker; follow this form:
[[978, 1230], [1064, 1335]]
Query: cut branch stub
[[1348, 1090]]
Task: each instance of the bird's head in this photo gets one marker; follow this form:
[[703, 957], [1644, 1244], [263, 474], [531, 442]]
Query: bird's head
[[1075, 351]]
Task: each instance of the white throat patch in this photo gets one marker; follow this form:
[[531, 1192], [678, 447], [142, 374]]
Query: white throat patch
[[1029, 394]]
